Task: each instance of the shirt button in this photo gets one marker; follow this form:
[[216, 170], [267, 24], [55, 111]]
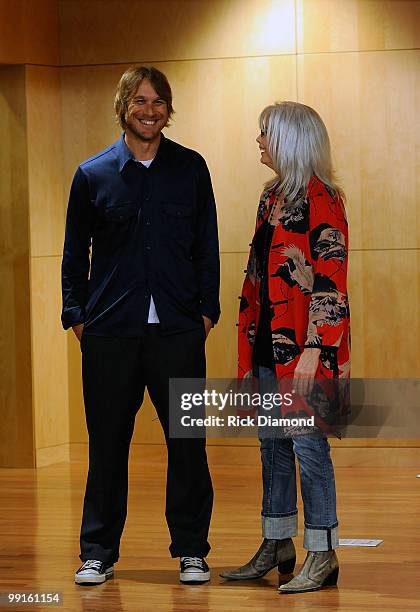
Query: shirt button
[[147, 199], [148, 248]]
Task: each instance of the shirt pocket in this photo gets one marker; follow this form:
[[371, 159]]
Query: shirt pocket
[[116, 224], [178, 227], [120, 212], [178, 219], [178, 210]]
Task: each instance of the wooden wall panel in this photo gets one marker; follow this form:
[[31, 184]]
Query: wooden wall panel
[[384, 298], [12, 50], [87, 93], [357, 25], [77, 423], [356, 63], [49, 354], [173, 30], [221, 350], [369, 102], [217, 105], [16, 437], [45, 160], [29, 32], [46, 215]]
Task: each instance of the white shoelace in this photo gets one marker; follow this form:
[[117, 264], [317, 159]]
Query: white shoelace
[[92, 564], [193, 562]]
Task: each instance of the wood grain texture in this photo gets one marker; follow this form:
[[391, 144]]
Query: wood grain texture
[[372, 503], [348, 453], [384, 288], [77, 422], [176, 30], [222, 345], [218, 104], [45, 160], [369, 103], [16, 443], [50, 455], [357, 25], [49, 355], [29, 32], [46, 214]]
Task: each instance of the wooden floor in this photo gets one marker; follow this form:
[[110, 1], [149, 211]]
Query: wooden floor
[[40, 513]]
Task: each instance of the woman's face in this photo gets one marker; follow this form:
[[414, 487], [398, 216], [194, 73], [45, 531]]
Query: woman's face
[[265, 157]]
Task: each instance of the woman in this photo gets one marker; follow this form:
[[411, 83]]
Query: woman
[[294, 325]]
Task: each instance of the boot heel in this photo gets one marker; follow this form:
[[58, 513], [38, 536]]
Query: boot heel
[[331, 580], [287, 567]]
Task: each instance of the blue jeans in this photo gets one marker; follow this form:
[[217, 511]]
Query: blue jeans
[[279, 511]]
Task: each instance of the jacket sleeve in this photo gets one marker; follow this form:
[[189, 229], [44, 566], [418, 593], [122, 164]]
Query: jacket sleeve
[[328, 243], [76, 263], [206, 249]]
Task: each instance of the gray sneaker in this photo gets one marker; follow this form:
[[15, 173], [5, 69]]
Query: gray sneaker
[[193, 570], [93, 572]]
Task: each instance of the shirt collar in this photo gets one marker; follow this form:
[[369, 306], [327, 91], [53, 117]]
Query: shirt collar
[[124, 154]]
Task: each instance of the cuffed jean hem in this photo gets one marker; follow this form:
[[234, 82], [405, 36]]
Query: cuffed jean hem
[[320, 539], [279, 527]]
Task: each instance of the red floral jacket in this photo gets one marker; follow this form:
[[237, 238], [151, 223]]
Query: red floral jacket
[[307, 285]]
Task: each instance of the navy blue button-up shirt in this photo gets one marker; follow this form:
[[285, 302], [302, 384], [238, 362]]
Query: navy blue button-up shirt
[[150, 231]]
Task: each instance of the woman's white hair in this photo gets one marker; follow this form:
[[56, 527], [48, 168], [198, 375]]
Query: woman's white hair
[[299, 146]]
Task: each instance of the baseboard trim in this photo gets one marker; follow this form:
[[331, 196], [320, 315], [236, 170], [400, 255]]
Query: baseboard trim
[[52, 454], [250, 455]]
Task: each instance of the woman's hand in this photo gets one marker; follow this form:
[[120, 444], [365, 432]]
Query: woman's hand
[[305, 371]]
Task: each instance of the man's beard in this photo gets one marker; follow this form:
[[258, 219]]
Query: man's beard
[[132, 128]]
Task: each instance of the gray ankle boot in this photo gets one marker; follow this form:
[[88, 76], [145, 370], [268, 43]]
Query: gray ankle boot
[[271, 553], [319, 569]]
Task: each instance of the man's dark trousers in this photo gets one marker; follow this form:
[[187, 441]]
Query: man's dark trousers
[[115, 374]]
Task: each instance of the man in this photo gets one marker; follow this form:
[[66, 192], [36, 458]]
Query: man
[[142, 307]]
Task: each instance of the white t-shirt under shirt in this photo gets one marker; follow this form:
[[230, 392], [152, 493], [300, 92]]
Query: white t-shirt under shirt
[[153, 316]]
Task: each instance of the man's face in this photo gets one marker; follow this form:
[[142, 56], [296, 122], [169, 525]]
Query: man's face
[[147, 113]]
